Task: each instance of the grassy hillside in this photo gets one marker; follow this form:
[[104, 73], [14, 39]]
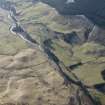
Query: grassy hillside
[[87, 53], [42, 23]]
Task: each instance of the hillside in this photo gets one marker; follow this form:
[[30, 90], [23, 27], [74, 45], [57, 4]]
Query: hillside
[[37, 44]]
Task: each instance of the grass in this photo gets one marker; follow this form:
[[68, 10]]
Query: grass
[[9, 43], [99, 97], [33, 13], [46, 15], [90, 73], [82, 51], [64, 52]]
